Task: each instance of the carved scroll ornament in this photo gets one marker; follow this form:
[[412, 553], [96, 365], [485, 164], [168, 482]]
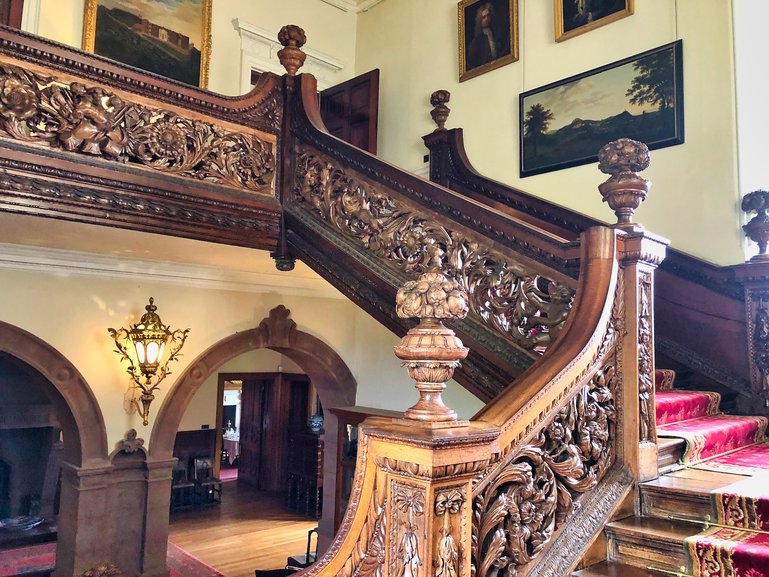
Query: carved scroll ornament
[[516, 514], [91, 120], [514, 301]]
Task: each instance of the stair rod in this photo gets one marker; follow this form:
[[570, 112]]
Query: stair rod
[[708, 523], [681, 573]]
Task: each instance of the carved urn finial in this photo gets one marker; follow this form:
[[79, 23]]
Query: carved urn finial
[[430, 351], [758, 227], [625, 190], [440, 111], [291, 56]]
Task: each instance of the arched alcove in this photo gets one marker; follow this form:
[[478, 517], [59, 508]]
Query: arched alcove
[[332, 378], [81, 419]]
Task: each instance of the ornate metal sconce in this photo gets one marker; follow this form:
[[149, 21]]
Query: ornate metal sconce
[[148, 347]]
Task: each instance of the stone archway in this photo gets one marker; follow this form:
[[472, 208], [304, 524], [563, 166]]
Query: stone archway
[[81, 419], [82, 510], [332, 378]]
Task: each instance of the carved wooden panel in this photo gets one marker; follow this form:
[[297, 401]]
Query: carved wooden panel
[[510, 298]]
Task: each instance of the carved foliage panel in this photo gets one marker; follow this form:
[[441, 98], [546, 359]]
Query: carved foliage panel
[[408, 529], [645, 359], [512, 300], [450, 515], [757, 309], [516, 513], [93, 121]]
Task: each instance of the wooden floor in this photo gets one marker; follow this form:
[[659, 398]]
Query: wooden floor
[[250, 530]]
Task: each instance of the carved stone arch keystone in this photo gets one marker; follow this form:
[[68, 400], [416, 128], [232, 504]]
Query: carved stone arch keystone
[[328, 372], [85, 436]]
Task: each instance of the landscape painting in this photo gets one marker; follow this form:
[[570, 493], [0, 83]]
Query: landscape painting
[[167, 37], [566, 123]]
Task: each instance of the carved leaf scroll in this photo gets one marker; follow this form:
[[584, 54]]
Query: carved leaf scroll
[[91, 120], [516, 515], [517, 303]]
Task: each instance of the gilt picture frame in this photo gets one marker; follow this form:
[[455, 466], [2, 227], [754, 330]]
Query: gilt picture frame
[[566, 123], [575, 17], [170, 39], [488, 35]]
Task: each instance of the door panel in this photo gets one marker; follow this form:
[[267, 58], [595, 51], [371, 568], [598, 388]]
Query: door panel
[[251, 429], [350, 110]]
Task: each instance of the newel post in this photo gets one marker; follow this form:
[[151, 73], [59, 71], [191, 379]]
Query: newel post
[[291, 56], [640, 253], [426, 462], [437, 142], [754, 277]]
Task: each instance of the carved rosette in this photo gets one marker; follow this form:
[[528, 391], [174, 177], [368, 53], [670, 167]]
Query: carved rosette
[[517, 511], [407, 531], [624, 191], [292, 38], [449, 504], [645, 360], [93, 121], [440, 111], [431, 351], [514, 301], [758, 227]]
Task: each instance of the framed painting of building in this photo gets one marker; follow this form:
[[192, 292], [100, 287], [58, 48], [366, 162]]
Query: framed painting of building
[[566, 123], [172, 39], [488, 35], [575, 17]]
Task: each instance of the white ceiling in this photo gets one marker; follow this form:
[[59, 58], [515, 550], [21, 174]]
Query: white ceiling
[[36, 243]]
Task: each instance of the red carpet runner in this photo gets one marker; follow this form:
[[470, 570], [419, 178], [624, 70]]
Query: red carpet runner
[[38, 558], [738, 546]]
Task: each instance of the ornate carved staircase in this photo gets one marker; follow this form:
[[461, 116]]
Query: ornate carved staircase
[[525, 486]]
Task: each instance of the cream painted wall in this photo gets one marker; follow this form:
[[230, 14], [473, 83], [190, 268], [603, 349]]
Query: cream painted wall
[[85, 306], [331, 31], [694, 200]]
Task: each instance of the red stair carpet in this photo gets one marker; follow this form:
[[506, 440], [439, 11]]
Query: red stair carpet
[[714, 441], [38, 558], [738, 543]]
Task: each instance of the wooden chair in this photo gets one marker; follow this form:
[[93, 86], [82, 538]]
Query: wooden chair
[[183, 493], [208, 489]]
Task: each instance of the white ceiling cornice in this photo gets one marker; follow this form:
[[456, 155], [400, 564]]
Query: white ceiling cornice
[[69, 262], [353, 5]]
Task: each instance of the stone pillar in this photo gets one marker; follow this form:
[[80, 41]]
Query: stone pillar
[[640, 253], [155, 544], [84, 504]]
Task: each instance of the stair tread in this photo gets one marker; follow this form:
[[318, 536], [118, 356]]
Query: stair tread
[[702, 483], [613, 569], [665, 529]]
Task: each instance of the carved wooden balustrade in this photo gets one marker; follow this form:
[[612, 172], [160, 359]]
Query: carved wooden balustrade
[[521, 488], [706, 314]]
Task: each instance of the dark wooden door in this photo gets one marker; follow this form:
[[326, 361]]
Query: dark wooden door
[[350, 110], [252, 418], [10, 12]]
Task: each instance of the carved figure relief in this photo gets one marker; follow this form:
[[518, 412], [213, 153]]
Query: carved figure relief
[[524, 307], [407, 530], [645, 362], [91, 120], [516, 513]]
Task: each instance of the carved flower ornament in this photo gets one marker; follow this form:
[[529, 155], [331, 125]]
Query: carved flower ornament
[[622, 156], [18, 99], [167, 140]]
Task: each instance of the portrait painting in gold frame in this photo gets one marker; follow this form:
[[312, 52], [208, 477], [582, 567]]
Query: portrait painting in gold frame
[[488, 35], [575, 17], [170, 38]]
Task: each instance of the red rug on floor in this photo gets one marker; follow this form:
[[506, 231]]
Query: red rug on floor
[[724, 552], [43, 558], [746, 461], [228, 474]]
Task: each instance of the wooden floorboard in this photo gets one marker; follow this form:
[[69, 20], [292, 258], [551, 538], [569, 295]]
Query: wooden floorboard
[[250, 530]]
